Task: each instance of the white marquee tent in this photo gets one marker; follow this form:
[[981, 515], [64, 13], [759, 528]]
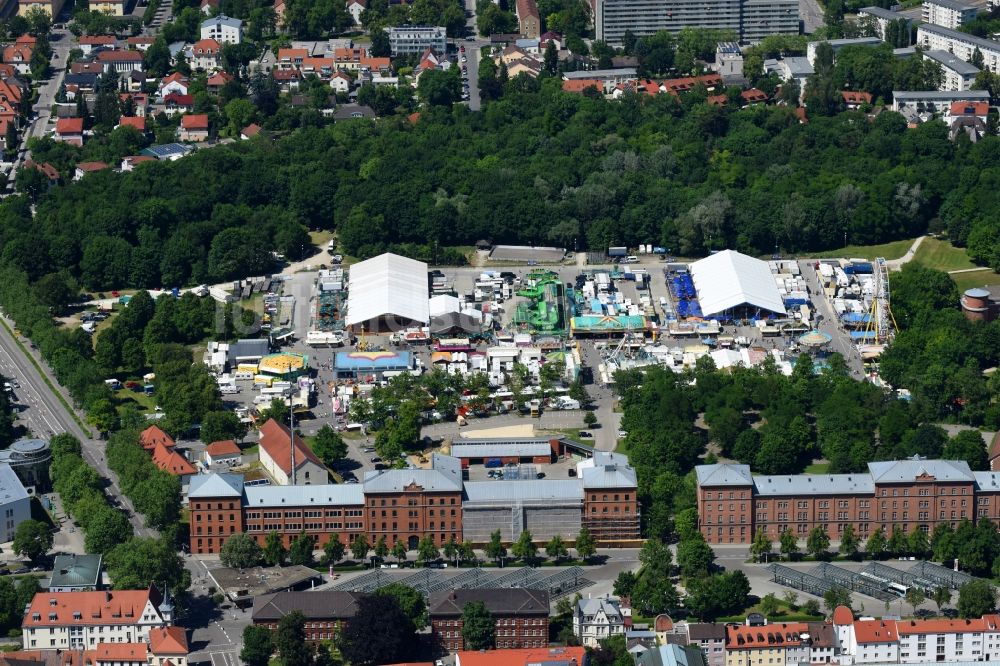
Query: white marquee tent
[[728, 279], [387, 286]]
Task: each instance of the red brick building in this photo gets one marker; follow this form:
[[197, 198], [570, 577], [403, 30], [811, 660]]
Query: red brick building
[[521, 616], [215, 510], [325, 611], [914, 494]]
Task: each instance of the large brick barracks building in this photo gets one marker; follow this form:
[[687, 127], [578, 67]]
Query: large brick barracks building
[[408, 504], [914, 494]]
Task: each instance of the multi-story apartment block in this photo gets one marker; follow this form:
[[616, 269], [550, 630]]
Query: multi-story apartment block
[[750, 19], [768, 645], [521, 616], [881, 17], [82, 620], [711, 638], [913, 494], [415, 39], [958, 74], [223, 29], [408, 504], [932, 37], [947, 13]]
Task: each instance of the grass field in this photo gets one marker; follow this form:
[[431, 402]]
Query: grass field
[[983, 278], [893, 250], [942, 255], [818, 468], [146, 403]]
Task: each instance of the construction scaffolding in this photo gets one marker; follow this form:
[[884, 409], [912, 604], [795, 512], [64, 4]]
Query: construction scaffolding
[[891, 574], [799, 580], [940, 575], [856, 582]]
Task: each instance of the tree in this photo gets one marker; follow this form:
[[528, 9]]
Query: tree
[[976, 598], [438, 87], [258, 645], [551, 61], [818, 542], [450, 549], [399, 551], [221, 425], [141, 562], [810, 607], [333, 550], [836, 596], [301, 550], [495, 548], [427, 551], [876, 544], [556, 548], [585, 545], [478, 626], [590, 419], [241, 551], [54, 290], [769, 605], [380, 633], [917, 542], [274, 550], [107, 528], [524, 548], [290, 641], [849, 542], [942, 597], [695, 557], [329, 446], [360, 547], [761, 546], [968, 445], [410, 601], [717, 595], [789, 544], [381, 548], [32, 539], [915, 596]]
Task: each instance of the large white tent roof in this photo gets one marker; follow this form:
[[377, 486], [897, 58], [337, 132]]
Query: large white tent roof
[[387, 285], [729, 279]]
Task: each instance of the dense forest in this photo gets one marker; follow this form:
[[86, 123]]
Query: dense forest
[[537, 166]]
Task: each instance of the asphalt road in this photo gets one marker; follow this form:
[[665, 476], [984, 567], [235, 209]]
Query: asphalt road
[[49, 416], [811, 15]]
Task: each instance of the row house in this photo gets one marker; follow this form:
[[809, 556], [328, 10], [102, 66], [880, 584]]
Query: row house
[[174, 83], [140, 42], [82, 620], [520, 616], [166, 646], [89, 43], [193, 129], [18, 54], [69, 130], [356, 59], [914, 493]]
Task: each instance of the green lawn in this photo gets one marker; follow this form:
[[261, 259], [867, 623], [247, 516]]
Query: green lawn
[[785, 614], [893, 250], [145, 402], [983, 278], [942, 255], [818, 468]]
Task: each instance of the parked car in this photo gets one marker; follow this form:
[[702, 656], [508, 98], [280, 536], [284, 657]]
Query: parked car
[[586, 434]]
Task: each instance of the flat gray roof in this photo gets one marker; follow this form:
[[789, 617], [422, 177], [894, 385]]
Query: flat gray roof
[[609, 476], [723, 474], [883, 13], [446, 475], [988, 44], [76, 571], [853, 41], [519, 491], [500, 450], [626, 72], [909, 469], [951, 4], [952, 62], [327, 494], [942, 95], [814, 484]]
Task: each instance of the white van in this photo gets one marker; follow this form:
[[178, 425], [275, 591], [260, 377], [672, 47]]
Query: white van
[[229, 389], [631, 259], [242, 376]]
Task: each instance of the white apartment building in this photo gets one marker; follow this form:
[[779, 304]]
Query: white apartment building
[[751, 20], [15, 503], [837, 44], [947, 13], [415, 39], [936, 38], [958, 74], [223, 29], [871, 642], [594, 620], [82, 620], [931, 102], [881, 18], [922, 641]]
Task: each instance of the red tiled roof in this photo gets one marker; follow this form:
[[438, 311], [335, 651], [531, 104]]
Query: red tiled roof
[[251, 130], [742, 637], [89, 167], [843, 615], [292, 54], [55, 609], [209, 46], [154, 435], [970, 108], [138, 159], [375, 63], [179, 99], [138, 122], [274, 439], [50, 171], [717, 100], [875, 631], [579, 85], [69, 126], [523, 656], [195, 121], [856, 97], [905, 628], [219, 79], [171, 462], [663, 623], [526, 8], [119, 56], [222, 448], [168, 640], [176, 77], [98, 40], [754, 95], [140, 39], [118, 652], [285, 74]]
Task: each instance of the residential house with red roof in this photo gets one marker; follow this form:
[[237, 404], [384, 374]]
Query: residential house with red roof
[[579, 85], [120, 61], [176, 103], [194, 127], [83, 168], [82, 620], [291, 58], [19, 56], [250, 131], [47, 169], [153, 436], [224, 452], [168, 644], [528, 21], [855, 98], [175, 83], [90, 42], [140, 42], [276, 457], [753, 96], [69, 130], [173, 463], [130, 162], [138, 123], [205, 54], [216, 82]]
